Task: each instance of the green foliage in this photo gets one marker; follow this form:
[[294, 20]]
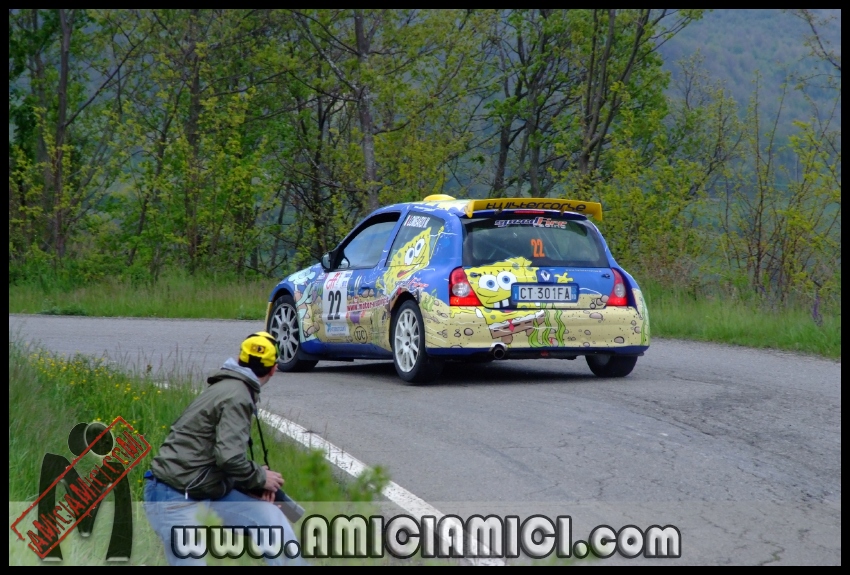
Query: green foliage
[[249, 142], [784, 238], [62, 62], [695, 196]]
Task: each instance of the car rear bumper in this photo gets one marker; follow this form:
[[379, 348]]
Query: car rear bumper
[[473, 330], [532, 353]]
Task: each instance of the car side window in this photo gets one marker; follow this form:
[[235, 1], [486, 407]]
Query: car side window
[[415, 241], [365, 249]]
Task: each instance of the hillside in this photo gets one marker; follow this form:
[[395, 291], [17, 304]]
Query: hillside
[[736, 44]]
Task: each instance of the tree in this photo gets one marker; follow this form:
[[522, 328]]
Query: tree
[[562, 79], [819, 46], [377, 93], [63, 66]]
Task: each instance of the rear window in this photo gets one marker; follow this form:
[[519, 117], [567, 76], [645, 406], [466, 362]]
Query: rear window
[[544, 240]]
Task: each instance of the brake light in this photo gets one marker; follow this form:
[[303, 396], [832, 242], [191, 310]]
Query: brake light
[[618, 294], [460, 292], [529, 212]]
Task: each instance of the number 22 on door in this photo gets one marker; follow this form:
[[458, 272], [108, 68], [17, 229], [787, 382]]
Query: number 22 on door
[[335, 303]]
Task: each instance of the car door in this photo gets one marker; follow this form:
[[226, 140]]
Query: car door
[[348, 291]]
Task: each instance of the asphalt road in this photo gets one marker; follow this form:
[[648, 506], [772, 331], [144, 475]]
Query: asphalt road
[[738, 448]]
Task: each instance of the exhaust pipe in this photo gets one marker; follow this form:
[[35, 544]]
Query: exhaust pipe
[[499, 351]]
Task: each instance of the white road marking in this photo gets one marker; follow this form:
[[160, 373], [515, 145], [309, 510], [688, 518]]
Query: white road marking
[[412, 504]]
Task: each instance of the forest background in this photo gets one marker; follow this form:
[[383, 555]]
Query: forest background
[[236, 146]]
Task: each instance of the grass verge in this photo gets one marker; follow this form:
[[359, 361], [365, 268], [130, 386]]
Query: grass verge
[[49, 394], [175, 295], [676, 313]]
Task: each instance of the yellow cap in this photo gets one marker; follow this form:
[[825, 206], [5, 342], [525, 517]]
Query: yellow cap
[[261, 345]]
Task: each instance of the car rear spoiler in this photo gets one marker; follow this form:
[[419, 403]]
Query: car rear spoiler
[[585, 208]]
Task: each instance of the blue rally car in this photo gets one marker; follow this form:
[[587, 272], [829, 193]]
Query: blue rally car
[[444, 279]]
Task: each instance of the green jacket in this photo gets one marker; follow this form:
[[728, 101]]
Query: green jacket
[[205, 452]]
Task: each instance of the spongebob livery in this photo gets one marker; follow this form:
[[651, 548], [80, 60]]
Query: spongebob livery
[[413, 254], [444, 279], [492, 284]]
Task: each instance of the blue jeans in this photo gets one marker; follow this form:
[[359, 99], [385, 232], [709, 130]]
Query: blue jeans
[[166, 507]]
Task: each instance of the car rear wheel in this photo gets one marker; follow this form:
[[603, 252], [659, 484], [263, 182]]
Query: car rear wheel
[[611, 365], [283, 325], [408, 342]]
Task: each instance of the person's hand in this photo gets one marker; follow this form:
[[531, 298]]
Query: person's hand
[[268, 496], [274, 481]]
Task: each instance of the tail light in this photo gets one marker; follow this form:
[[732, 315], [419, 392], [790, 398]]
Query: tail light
[[460, 292], [618, 294]]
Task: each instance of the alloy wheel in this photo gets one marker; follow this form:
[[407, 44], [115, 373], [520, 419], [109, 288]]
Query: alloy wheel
[[406, 340], [284, 327]]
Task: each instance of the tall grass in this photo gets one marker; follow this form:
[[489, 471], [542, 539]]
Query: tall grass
[[747, 321], [174, 295]]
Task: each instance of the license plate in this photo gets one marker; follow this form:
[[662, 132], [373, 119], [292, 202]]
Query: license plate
[[548, 293]]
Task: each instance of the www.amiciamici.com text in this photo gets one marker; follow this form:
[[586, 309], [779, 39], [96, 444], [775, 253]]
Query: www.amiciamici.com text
[[449, 536]]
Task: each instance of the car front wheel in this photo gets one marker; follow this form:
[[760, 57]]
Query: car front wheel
[[408, 342], [283, 325], [611, 365]]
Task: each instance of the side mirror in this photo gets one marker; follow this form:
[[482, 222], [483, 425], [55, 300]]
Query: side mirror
[[326, 262]]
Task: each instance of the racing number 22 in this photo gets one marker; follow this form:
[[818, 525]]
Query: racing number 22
[[334, 296], [537, 246]]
